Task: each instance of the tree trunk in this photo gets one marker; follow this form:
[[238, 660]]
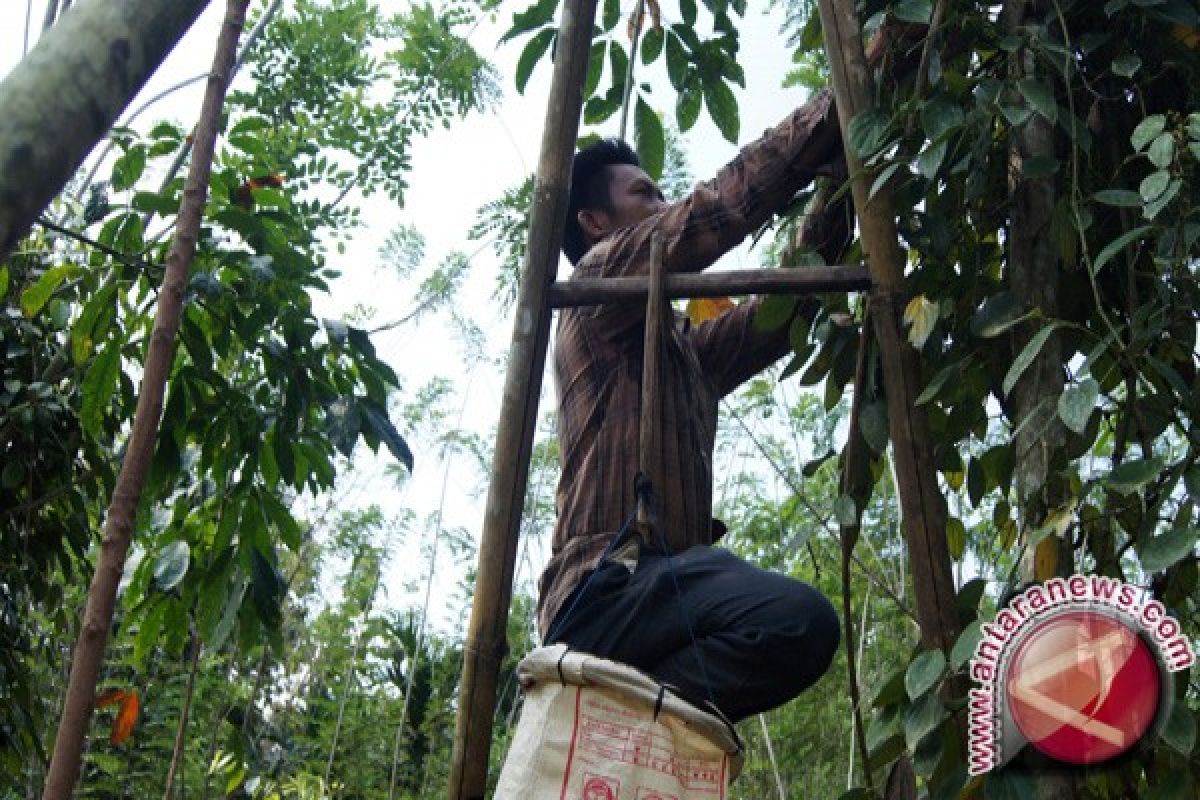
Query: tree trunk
[[921, 502], [91, 64], [487, 629], [1033, 275], [98, 614]]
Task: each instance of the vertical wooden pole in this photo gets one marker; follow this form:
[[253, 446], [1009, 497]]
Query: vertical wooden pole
[[486, 629], [650, 422], [921, 503]]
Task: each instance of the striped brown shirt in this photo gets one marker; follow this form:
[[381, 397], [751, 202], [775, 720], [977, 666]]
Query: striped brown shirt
[[598, 357]]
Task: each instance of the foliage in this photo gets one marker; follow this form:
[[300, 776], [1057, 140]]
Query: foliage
[[264, 398]]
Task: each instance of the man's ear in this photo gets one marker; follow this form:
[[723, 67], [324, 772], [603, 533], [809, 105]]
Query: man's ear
[[593, 223]]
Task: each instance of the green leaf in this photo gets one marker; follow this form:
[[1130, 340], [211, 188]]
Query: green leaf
[[98, 386], [13, 474], [128, 168], [924, 673], [652, 45], [3, 282], [1016, 115], [723, 108], [161, 204], [1162, 150], [595, 68], [882, 178], [964, 648], [533, 17], [997, 314], [1166, 549], [611, 14], [874, 424], [1180, 730], [278, 513], [1126, 65], [915, 11], [930, 159], [922, 717], [687, 108], [1008, 784], [1154, 185], [172, 565], [229, 613], [535, 48], [1132, 475], [1076, 403], [267, 589], [687, 9], [1153, 208], [1123, 198], [956, 537], [1026, 357], [677, 62], [649, 138], [773, 312], [940, 115], [388, 434], [1147, 130], [36, 296], [1116, 246], [936, 383], [867, 132], [1040, 98], [845, 512]]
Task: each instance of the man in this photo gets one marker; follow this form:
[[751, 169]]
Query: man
[[692, 616]]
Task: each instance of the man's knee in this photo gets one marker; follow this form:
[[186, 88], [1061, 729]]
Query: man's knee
[[815, 636]]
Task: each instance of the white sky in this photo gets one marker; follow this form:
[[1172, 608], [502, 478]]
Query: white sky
[[455, 172]]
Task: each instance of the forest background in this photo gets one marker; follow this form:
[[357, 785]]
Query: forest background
[[303, 599]]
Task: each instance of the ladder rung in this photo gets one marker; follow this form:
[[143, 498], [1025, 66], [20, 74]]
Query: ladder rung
[[804, 280]]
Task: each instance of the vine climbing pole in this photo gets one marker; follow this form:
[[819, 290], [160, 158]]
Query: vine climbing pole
[[486, 640], [921, 502]]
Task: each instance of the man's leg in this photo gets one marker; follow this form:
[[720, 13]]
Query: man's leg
[[760, 637]]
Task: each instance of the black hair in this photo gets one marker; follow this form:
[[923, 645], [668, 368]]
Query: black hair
[[589, 188]]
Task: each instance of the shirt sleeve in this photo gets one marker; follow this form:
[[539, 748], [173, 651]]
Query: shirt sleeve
[[721, 212], [732, 350]]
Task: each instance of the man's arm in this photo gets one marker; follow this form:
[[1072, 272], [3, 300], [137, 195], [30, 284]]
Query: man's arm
[[731, 349], [721, 212]]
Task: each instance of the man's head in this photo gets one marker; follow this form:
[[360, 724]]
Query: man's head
[[609, 191]]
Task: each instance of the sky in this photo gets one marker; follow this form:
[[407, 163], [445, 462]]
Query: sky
[[455, 172]]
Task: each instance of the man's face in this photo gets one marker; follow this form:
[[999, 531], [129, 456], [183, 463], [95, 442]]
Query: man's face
[[634, 197]]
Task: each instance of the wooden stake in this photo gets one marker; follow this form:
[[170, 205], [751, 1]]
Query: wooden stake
[[921, 503], [486, 640]]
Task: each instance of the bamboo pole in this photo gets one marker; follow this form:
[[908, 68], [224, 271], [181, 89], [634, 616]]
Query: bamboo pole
[[118, 527], [922, 505], [809, 280], [650, 421], [486, 640], [62, 98]]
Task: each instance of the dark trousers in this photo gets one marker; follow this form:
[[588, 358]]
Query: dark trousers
[[761, 638]]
